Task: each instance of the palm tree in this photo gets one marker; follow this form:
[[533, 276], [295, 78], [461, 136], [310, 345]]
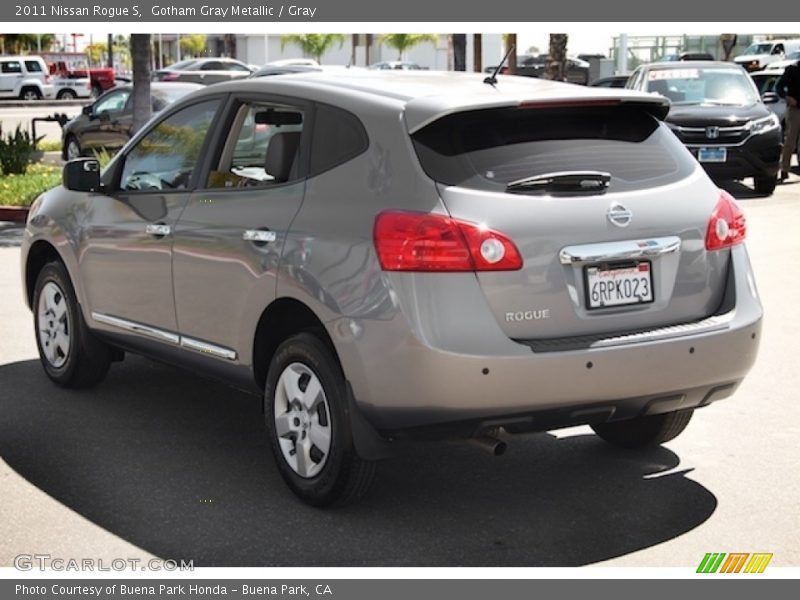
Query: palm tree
[[18, 43], [142, 53], [556, 67], [510, 44], [313, 44], [459, 51], [405, 41]]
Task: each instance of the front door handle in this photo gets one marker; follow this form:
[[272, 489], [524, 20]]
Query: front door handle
[[262, 236], [158, 229]]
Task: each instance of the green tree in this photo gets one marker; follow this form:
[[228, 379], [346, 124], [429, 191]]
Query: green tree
[[313, 44], [193, 45], [402, 42], [96, 52], [19, 43]]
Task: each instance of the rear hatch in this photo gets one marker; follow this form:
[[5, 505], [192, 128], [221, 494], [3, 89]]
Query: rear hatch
[[607, 208]]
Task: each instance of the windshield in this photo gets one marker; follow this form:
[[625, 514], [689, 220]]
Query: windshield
[[718, 86], [758, 49]]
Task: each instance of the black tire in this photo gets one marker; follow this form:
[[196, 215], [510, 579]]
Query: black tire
[[70, 141], [643, 432], [87, 360], [66, 94], [30, 93], [765, 186], [344, 476]]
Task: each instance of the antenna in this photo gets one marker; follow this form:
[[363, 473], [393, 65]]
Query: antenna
[[492, 79]]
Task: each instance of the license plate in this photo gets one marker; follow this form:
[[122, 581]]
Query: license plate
[[619, 285], [712, 154]]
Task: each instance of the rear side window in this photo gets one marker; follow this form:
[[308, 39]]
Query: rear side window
[[11, 67], [338, 137], [488, 149], [33, 66]]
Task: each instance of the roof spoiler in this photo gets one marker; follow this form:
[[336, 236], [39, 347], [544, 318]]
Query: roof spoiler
[[658, 106]]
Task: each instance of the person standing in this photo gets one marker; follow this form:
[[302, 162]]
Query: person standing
[[788, 88]]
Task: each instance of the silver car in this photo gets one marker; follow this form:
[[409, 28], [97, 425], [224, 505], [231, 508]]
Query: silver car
[[385, 258]]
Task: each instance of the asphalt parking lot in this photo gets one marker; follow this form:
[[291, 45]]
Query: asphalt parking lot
[[157, 461]]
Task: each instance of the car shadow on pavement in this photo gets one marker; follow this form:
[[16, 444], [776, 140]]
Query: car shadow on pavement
[[180, 467]]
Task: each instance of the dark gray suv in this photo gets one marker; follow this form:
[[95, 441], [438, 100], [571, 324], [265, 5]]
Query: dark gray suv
[[390, 257]]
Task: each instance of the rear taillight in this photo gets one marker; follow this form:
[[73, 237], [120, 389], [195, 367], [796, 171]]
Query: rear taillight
[[726, 226], [168, 76], [47, 79], [412, 241]]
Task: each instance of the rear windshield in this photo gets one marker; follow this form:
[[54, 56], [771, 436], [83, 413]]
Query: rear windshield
[[488, 149]]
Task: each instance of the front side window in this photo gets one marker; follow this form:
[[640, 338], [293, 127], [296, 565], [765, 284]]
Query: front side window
[[12, 66], [262, 148], [165, 158], [113, 102]]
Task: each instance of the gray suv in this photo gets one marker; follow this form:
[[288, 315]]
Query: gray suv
[[392, 257]]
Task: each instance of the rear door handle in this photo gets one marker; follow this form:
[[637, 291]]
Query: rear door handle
[[158, 229], [262, 236]]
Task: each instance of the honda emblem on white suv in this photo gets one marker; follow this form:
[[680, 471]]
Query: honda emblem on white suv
[[619, 215]]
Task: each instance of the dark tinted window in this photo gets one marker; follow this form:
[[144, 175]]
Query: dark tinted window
[[232, 66], [11, 67], [338, 137], [211, 65], [488, 149], [33, 66]]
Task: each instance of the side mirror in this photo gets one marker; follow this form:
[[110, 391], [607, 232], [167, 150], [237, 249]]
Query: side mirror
[[82, 175], [88, 110], [770, 98]]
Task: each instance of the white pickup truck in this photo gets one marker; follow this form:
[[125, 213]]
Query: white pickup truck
[[69, 86]]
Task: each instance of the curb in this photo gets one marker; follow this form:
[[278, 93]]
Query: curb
[[14, 214], [44, 103]]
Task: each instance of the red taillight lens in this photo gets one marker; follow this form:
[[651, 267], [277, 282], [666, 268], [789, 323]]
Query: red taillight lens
[[726, 226], [169, 76], [47, 78], [411, 241]]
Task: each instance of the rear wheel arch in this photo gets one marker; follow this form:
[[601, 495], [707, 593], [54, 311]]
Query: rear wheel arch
[[282, 319]]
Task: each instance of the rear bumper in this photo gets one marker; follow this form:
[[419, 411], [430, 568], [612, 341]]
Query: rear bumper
[[427, 383]]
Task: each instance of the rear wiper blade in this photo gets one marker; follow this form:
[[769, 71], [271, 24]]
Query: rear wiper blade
[[580, 182]]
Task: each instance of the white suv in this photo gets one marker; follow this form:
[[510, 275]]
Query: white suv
[[25, 77]]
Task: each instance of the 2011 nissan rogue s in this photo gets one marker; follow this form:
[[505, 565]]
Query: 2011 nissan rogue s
[[389, 257]]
